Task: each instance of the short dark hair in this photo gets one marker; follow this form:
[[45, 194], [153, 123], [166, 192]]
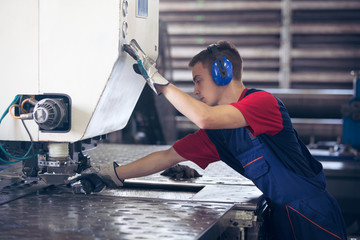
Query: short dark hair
[[226, 49]]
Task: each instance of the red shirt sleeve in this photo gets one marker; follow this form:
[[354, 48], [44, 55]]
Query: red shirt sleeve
[[262, 112], [198, 148]]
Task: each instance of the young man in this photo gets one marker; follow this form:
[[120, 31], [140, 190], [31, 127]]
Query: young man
[[251, 131]]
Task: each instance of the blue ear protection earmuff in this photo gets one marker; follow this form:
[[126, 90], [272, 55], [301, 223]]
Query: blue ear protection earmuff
[[222, 70]]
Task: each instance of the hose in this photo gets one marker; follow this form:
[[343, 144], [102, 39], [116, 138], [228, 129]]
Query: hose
[[25, 157]]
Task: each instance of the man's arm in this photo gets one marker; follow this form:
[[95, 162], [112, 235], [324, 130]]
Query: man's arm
[[202, 115], [96, 178], [152, 163]]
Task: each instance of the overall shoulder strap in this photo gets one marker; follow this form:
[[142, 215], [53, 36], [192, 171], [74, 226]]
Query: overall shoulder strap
[[252, 90]]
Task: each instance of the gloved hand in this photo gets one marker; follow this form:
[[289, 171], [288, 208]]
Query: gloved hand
[[145, 66], [181, 172], [95, 179]]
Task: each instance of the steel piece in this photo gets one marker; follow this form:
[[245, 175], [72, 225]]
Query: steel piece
[[75, 216]]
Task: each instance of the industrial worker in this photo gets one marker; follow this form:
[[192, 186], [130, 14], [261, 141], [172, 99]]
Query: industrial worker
[[251, 131]]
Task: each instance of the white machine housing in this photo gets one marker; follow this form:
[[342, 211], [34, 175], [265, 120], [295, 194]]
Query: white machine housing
[[74, 48]]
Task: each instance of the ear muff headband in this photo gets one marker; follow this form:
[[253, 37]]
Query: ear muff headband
[[222, 71]]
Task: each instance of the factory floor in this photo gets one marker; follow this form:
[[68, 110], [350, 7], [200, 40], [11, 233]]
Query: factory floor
[[152, 207]]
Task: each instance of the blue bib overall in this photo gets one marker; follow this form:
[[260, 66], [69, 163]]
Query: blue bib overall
[[301, 208]]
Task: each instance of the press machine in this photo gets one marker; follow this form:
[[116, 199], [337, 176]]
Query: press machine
[[65, 79]]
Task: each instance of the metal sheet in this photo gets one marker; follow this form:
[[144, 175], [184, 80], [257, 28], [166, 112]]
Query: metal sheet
[[74, 216], [240, 195], [215, 173], [152, 207], [13, 186], [11, 189]]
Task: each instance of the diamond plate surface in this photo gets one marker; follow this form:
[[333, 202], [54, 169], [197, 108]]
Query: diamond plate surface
[[160, 208], [13, 186], [74, 216], [215, 173]]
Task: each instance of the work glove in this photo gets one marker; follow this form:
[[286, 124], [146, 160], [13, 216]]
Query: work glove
[[145, 66], [95, 179], [181, 172]]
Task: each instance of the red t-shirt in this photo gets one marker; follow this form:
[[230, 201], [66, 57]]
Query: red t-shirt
[[260, 109]]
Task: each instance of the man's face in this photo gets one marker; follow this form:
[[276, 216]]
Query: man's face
[[204, 86]]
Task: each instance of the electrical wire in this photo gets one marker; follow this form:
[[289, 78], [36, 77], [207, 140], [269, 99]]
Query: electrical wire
[[26, 156], [17, 159], [31, 139], [7, 110], [22, 110], [10, 108]]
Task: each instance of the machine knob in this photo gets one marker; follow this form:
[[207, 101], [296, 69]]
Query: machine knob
[[49, 113]]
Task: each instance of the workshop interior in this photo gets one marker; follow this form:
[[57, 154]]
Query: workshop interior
[[70, 99]]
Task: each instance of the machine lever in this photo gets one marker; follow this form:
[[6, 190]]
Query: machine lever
[[135, 51]]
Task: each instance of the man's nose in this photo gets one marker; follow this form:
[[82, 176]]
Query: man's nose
[[196, 91]]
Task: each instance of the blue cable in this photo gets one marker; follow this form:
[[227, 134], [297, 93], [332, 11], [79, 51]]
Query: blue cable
[[18, 159], [7, 110]]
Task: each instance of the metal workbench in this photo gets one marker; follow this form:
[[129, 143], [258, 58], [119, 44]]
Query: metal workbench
[[152, 207]]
